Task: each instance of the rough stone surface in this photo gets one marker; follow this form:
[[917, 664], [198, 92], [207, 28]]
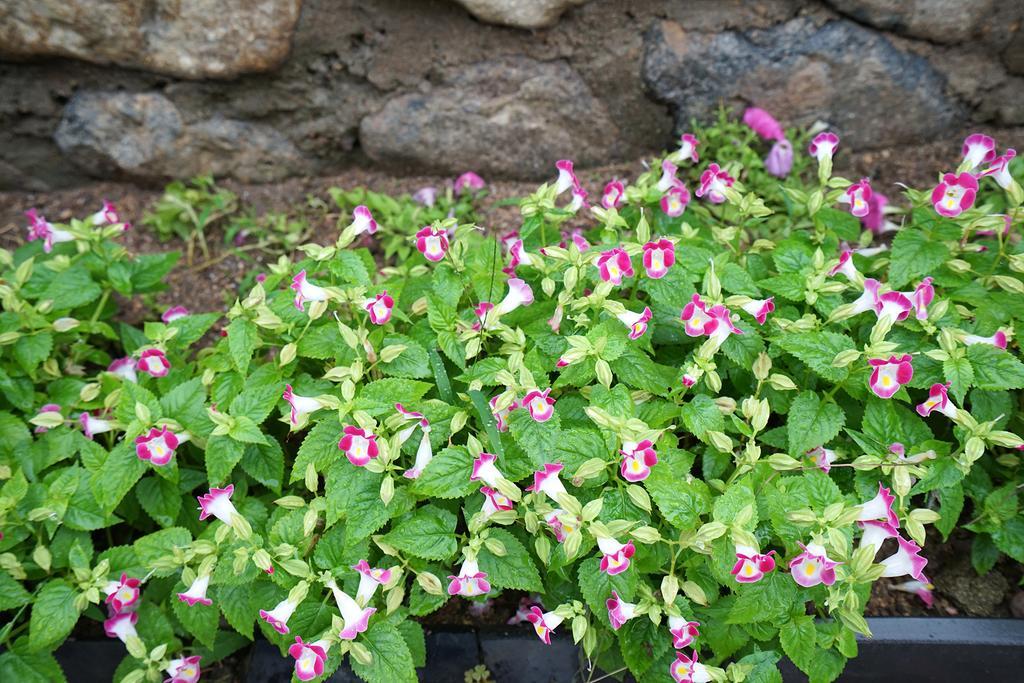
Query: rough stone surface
[[519, 13], [940, 21], [839, 72], [977, 596], [493, 117], [187, 38]]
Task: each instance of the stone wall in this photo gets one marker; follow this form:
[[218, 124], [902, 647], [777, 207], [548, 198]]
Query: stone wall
[[263, 89]]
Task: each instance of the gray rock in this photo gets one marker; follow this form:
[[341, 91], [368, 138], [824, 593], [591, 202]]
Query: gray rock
[[519, 13], [940, 21], [141, 136], [511, 117], [187, 38], [840, 72]]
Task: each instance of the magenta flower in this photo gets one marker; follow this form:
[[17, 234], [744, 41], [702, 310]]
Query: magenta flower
[[875, 532], [432, 243], [637, 460], [683, 632], [894, 306], [779, 161], [906, 560], [858, 196], [688, 148], [518, 256], [309, 658], [540, 405], [519, 294], [500, 415], [468, 181], [108, 215], [379, 308], [922, 589], [615, 555], [613, 195], [279, 616], [94, 425], [696, 318], [123, 595], [427, 196], [636, 323], [362, 221], [954, 194], [880, 507], [424, 454], [566, 176], [369, 579], [823, 146], [997, 340], [544, 623], [869, 299], [675, 200], [196, 593], [124, 368], [751, 566], [721, 324], [845, 267], [658, 258], [359, 446], [481, 312], [763, 123], [874, 220], [218, 504], [977, 150], [158, 446], [41, 229], [760, 308], [614, 265], [355, 619], [999, 169], [306, 291], [922, 297], [494, 501], [889, 375], [812, 566], [154, 363], [688, 380], [688, 669], [470, 582], [184, 670], [823, 458], [546, 481], [301, 406], [619, 611], [174, 313], [938, 399], [121, 626], [668, 178], [714, 182], [558, 527], [486, 471], [579, 199]]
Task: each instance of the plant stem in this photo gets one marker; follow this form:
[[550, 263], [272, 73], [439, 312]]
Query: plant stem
[[100, 305]]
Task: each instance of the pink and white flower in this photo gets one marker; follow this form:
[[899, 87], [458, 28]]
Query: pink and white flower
[[566, 176], [217, 503], [760, 308], [519, 294], [615, 555], [494, 501], [697, 321], [121, 626], [158, 446], [675, 200], [823, 458], [153, 362], [579, 199], [356, 619], [519, 256], [380, 308], [779, 161], [868, 299], [468, 181], [184, 670], [369, 579], [106, 216], [763, 123], [889, 375], [922, 297], [196, 593], [997, 340], [306, 291], [432, 242], [683, 632], [637, 460], [688, 380], [424, 454], [846, 267], [977, 150], [540, 405], [688, 148], [301, 406], [721, 324], [559, 528], [486, 471], [874, 220], [546, 481], [875, 532], [481, 312], [922, 589], [92, 426], [938, 399], [427, 196], [362, 221], [470, 582], [906, 560], [823, 146], [544, 623], [668, 178], [279, 616], [688, 670], [613, 195], [999, 170], [714, 182], [954, 194], [751, 566], [880, 507], [123, 595], [501, 415], [619, 611], [893, 306], [174, 313], [309, 658], [658, 258], [124, 368], [359, 445], [41, 229], [636, 323], [812, 566], [858, 196], [614, 265]]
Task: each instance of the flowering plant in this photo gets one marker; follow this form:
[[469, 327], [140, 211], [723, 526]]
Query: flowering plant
[[679, 423]]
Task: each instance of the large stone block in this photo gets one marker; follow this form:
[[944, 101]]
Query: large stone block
[[939, 21], [519, 13]]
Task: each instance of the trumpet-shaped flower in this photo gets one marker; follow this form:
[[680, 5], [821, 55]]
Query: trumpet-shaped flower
[[519, 256], [544, 623], [427, 196], [880, 507], [519, 294], [546, 481], [106, 216], [823, 146], [997, 340], [636, 323], [637, 460], [470, 582], [688, 148], [697, 321], [121, 626], [432, 243], [500, 415], [615, 555], [954, 194], [309, 658], [486, 471], [380, 308], [362, 221], [858, 196], [613, 195], [559, 528], [92, 426], [481, 312], [686, 669], [763, 123], [369, 579], [306, 291], [124, 368], [906, 560], [683, 632], [196, 593], [217, 503], [41, 229], [779, 161], [875, 532], [123, 595], [355, 619], [668, 178], [938, 399], [153, 362], [887, 376], [658, 258], [424, 454], [540, 405], [494, 501], [874, 220], [675, 200], [579, 199], [158, 446], [999, 169], [922, 297], [868, 299], [279, 616], [301, 406], [760, 308], [977, 150], [894, 306], [566, 176], [922, 589], [468, 181], [751, 566], [722, 325], [714, 182], [359, 445], [812, 566], [174, 313], [184, 670], [614, 265], [846, 267], [619, 611], [823, 458]]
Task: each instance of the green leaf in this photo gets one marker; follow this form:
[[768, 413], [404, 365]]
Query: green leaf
[[236, 604], [160, 499], [812, 423], [354, 494], [380, 397], [117, 476], [53, 615], [160, 545], [681, 498], [185, 404], [262, 392], [319, 448], [961, 374], [1009, 538], [429, 533], [413, 361], [414, 638], [799, 641], [23, 666], [200, 621], [336, 548], [817, 350], [32, 349], [68, 289], [597, 586], [242, 339], [515, 569], [536, 438], [392, 660], [914, 255], [995, 368], [12, 594], [702, 415], [222, 454], [770, 599], [265, 463], [447, 475]]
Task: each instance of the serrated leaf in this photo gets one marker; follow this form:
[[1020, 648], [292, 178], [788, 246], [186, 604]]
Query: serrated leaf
[[242, 339], [447, 475], [817, 350], [515, 569], [160, 499], [995, 368], [53, 615], [392, 660], [914, 255], [199, 620], [222, 454], [812, 423], [429, 533]]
